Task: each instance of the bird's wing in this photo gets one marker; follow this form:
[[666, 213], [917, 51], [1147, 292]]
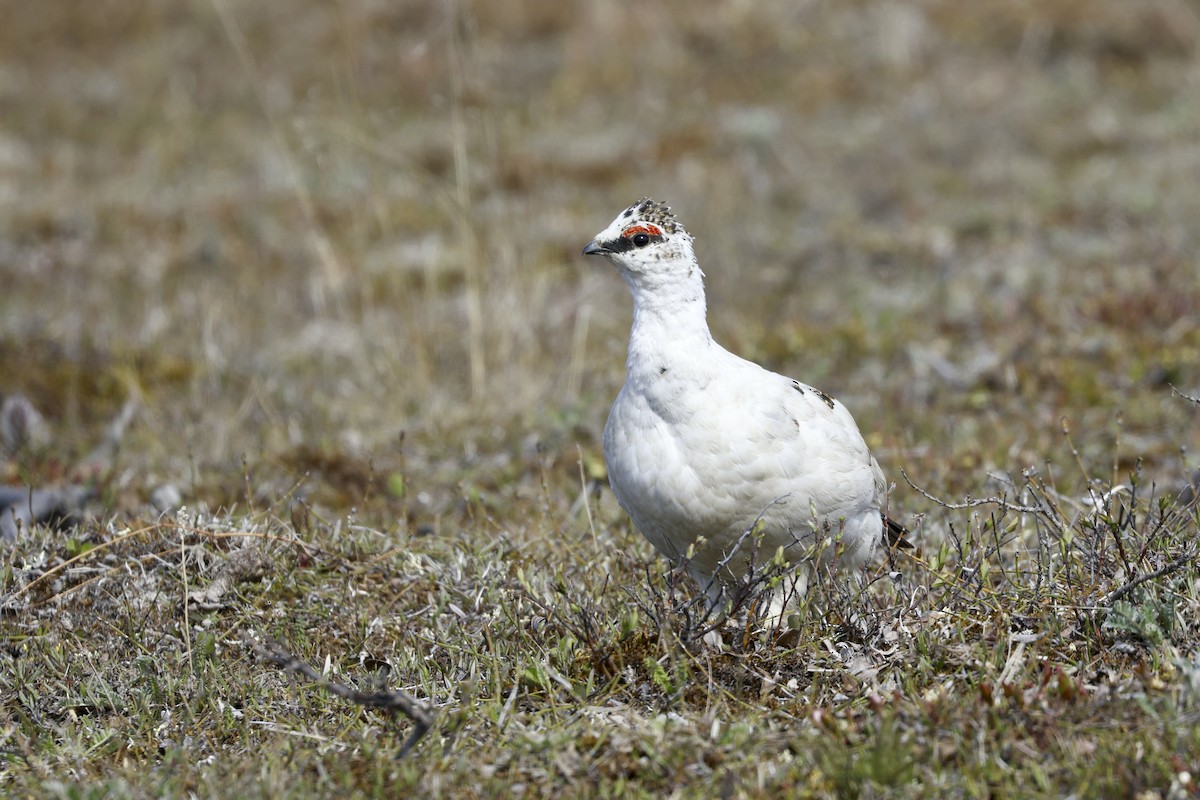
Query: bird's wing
[[769, 439]]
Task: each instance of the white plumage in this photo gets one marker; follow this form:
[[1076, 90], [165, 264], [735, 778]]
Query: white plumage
[[702, 444]]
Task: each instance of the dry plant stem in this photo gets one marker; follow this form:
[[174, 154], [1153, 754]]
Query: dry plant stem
[[1193, 400], [187, 625], [969, 503], [464, 215], [723, 564], [1097, 502], [1050, 514], [334, 271], [50, 573], [100, 548], [587, 507], [389, 702], [700, 615], [577, 363], [1173, 566]]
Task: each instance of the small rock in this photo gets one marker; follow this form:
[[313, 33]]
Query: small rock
[[21, 425], [166, 498]]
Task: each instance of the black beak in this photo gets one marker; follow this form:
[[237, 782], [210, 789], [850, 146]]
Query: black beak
[[594, 248]]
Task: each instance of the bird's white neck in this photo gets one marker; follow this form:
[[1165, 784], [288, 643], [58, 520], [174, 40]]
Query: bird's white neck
[[668, 320]]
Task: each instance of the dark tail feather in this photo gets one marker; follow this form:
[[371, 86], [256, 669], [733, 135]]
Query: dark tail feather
[[894, 533]]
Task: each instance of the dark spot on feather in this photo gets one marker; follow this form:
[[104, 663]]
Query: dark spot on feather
[[796, 386], [662, 370], [829, 401]]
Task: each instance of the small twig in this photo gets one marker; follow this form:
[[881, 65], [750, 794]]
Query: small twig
[[1004, 503], [1172, 566], [586, 505], [187, 625], [390, 702], [1193, 400], [1083, 470]]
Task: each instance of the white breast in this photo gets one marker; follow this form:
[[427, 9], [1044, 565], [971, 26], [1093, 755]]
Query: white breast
[[705, 451]]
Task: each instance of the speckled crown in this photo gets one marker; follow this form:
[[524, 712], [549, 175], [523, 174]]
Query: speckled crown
[[655, 213]]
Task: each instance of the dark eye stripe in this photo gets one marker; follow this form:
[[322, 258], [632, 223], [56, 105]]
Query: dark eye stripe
[[625, 243]]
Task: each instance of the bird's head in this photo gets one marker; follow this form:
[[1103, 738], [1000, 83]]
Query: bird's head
[[648, 246]]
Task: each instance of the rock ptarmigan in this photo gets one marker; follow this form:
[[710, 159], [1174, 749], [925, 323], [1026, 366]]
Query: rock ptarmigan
[[703, 446]]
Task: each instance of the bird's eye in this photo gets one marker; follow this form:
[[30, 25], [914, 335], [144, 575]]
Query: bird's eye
[[641, 239]]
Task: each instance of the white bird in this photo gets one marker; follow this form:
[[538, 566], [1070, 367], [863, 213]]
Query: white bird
[[707, 451]]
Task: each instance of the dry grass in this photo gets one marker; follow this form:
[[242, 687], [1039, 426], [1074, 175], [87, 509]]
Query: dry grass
[[333, 250]]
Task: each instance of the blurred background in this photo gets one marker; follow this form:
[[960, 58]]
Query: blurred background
[[342, 239]]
